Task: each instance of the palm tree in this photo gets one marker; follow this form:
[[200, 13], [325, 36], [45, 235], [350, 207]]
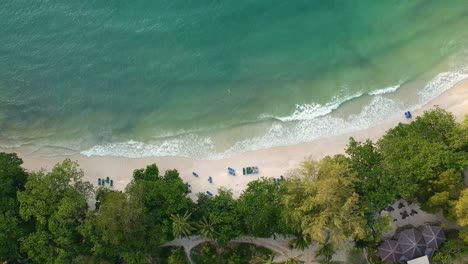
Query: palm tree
[[324, 253], [181, 225], [300, 242], [268, 260], [206, 228], [293, 259]]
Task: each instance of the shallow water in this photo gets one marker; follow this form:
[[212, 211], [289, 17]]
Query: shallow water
[[206, 79]]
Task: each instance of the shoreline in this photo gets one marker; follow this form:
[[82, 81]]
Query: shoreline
[[272, 162]]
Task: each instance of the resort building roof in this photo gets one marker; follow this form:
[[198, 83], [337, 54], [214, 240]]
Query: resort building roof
[[412, 244], [389, 251], [420, 260], [433, 235]]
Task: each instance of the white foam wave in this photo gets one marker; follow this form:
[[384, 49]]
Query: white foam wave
[[312, 122], [311, 111], [441, 83], [386, 90], [377, 111], [189, 146]]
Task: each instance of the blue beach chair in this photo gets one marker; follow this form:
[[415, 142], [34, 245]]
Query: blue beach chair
[[408, 114], [231, 171], [194, 174]]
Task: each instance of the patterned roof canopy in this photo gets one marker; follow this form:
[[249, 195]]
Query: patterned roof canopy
[[411, 243], [434, 236], [389, 251]]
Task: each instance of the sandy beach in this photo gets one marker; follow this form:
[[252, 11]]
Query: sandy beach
[[272, 162]]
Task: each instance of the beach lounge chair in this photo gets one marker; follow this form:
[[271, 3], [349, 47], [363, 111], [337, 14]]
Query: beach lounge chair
[[107, 179], [194, 174], [281, 177], [231, 171], [99, 181], [111, 183], [243, 171], [209, 193]]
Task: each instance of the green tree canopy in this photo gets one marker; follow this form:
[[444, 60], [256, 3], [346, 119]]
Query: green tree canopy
[[321, 202], [221, 212], [260, 208], [162, 196], [461, 212], [181, 226], [12, 179], [417, 155], [374, 185], [120, 230], [56, 204]]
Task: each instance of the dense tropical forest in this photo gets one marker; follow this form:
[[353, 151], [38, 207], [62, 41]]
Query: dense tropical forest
[[59, 217]]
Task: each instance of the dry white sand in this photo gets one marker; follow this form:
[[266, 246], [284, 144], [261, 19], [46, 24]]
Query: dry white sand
[[272, 162]]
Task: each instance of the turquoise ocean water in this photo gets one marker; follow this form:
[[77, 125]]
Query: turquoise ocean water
[[207, 79]]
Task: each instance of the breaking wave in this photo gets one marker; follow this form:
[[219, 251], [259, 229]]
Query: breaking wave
[[308, 122]]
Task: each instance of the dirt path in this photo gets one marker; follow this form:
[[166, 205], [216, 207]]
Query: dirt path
[[278, 245]]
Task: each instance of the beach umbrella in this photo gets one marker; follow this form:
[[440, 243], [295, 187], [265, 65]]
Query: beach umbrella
[[433, 235], [389, 251], [412, 243]]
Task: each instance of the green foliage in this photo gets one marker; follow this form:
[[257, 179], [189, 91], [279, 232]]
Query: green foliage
[[222, 214], [56, 204], [453, 249], [162, 196], [130, 226], [12, 180], [206, 255], [299, 242], [206, 229], [260, 208], [325, 252], [171, 255], [446, 189], [320, 201], [293, 259], [121, 229], [177, 257], [10, 232], [461, 213], [374, 185], [233, 253], [270, 259], [417, 154], [181, 225]]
